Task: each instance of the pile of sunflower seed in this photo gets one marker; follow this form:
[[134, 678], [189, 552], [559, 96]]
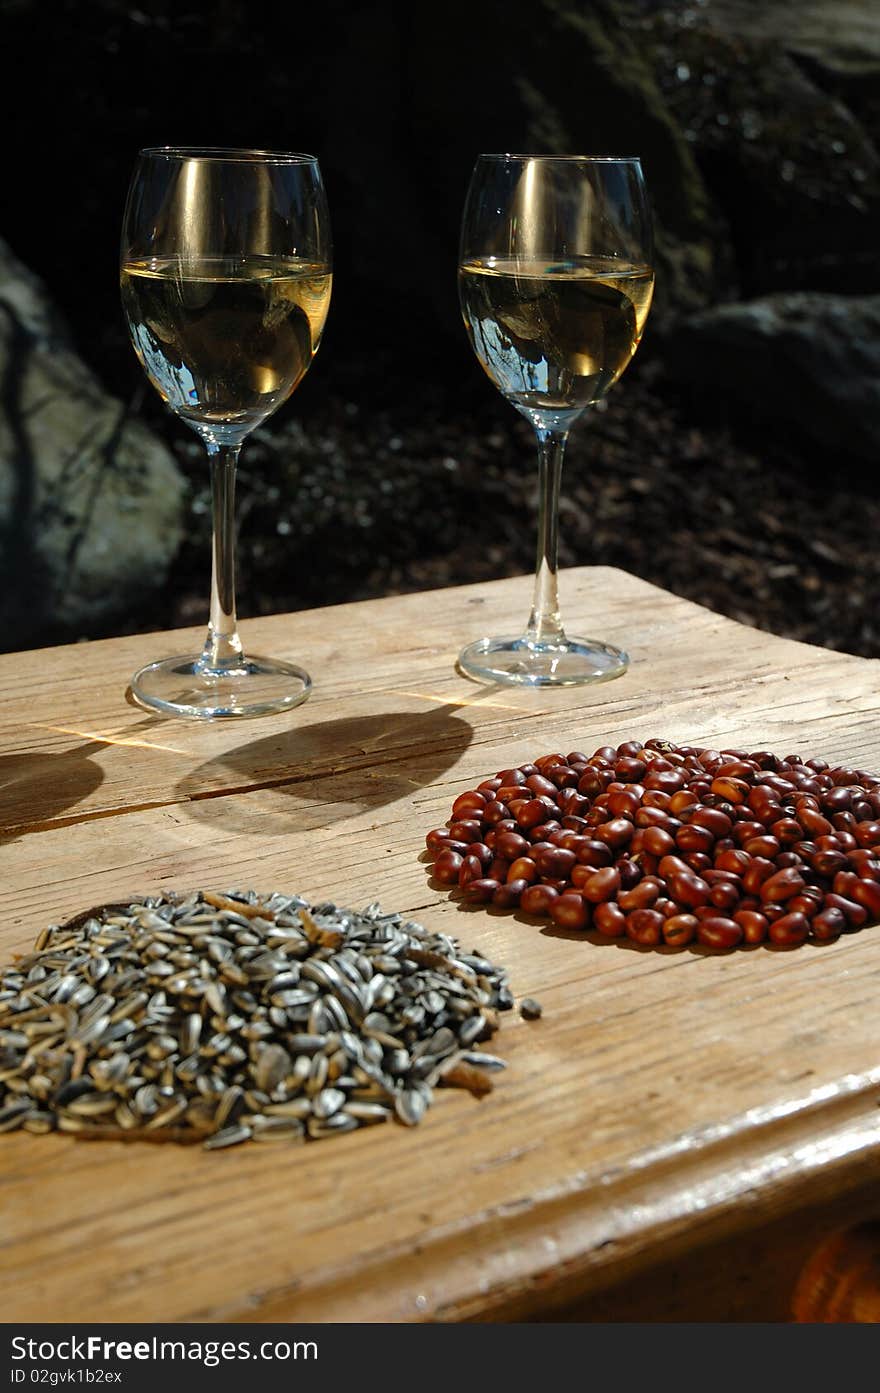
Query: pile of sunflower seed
[[220, 1018]]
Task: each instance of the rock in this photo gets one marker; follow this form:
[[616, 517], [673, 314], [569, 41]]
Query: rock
[[807, 362], [91, 504], [785, 141], [840, 36]]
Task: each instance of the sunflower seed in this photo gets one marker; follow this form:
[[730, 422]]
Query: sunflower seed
[[225, 1017]]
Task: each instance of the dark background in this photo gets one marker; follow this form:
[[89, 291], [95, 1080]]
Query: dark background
[[734, 463]]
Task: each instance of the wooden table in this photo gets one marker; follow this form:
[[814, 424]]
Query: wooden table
[[673, 1121]]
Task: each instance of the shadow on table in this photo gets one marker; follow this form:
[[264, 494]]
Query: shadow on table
[[324, 773], [36, 789]]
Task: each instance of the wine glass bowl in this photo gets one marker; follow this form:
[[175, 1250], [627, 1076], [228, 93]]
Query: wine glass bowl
[[555, 284], [225, 280]]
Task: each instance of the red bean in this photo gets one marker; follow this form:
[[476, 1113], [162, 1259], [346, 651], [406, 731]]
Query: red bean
[[867, 834], [569, 911], [756, 874], [691, 838], [725, 895], [689, 889], [658, 842], [766, 846], [511, 844], [609, 919], [556, 863], [735, 862], [717, 931], [437, 839], [530, 813], [447, 867], [470, 869], [537, 899], [602, 885], [828, 925], [749, 844], [523, 868], [855, 914], [867, 894], [679, 929], [790, 929], [641, 896], [645, 926], [480, 891], [753, 925], [780, 886], [467, 804], [733, 790], [616, 833], [508, 896], [715, 821]]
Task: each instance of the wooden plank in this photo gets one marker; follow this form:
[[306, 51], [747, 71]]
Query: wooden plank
[[667, 1098]]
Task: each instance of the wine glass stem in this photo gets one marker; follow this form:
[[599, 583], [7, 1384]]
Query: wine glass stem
[[545, 624], [222, 646]]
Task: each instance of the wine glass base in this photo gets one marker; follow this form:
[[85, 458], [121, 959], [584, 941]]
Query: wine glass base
[[523, 662], [253, 687]]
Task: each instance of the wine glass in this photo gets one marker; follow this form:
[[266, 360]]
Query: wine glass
[[225, 280], [555, 282]]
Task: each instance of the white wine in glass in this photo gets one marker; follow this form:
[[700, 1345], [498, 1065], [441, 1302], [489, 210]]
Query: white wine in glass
[[555, 283], [225, 280]]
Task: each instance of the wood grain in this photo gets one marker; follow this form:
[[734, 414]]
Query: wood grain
[[665, 1100]]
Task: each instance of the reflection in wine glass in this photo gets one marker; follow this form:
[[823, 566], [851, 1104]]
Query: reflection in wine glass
[[225, 281], [555, 283]]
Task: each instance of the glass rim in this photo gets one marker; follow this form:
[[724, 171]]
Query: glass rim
[[229, 155], [565, 159]]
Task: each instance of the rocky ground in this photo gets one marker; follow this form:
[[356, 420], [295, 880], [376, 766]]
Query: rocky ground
[[338, 504]]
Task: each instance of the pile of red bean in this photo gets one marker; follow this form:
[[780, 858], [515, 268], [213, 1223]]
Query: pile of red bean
[[671, 844]]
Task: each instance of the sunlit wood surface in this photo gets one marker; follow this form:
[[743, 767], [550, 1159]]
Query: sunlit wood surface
[[665, 1100]]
